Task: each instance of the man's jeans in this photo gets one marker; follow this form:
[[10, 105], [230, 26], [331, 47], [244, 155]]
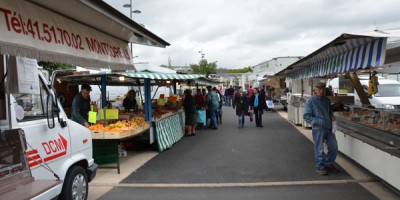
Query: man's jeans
[[319, 136], [213, 119], [228, 101], [225, 100], [241, 121], [258, 116]]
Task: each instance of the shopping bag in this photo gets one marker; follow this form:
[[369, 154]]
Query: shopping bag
[[270, 104], [201, 117], [251, 116], [334, 127]]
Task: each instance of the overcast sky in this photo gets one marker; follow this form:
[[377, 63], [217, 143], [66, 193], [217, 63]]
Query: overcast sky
[[241, 33]]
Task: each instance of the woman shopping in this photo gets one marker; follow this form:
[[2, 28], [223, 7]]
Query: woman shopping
[[241, 105], [190, 113]]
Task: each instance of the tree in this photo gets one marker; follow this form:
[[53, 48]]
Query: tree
[[243, 70], [50, 66], [204, 67]]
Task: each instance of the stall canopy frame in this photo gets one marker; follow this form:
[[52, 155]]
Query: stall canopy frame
[[129, 78]]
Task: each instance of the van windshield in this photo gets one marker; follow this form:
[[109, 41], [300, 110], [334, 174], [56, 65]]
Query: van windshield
[[388, 90]]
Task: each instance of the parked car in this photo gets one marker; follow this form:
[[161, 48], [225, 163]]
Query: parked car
[[388, 96]]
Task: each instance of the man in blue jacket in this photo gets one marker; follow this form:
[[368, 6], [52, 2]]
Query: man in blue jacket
[[317, 113], [213, 105]]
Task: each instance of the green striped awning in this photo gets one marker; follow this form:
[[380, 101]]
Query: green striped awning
[[169, 130], [131, 78], [161, 76]]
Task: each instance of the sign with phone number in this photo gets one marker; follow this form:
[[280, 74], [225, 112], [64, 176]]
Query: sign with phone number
[[26, 24]]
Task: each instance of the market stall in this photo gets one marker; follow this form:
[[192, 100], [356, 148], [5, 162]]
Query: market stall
[[166, 119], [367, 135]]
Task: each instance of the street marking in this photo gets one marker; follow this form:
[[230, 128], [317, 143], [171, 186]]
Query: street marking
[[229, 185]]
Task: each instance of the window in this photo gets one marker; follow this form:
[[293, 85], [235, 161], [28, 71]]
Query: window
[[33, 105], [388, 90]]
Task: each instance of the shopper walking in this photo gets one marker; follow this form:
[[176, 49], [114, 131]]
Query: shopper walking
[[250, 92], [219, 111], [241, 105], [212, 104], [257, 101], [317, 113], [229, 93]]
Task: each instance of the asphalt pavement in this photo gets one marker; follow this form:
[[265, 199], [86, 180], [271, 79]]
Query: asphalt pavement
[[273, 162]]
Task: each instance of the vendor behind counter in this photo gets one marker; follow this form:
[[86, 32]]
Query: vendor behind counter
[[130, 102]]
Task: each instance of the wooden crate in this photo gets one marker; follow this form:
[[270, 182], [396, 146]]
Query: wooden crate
[[97, 134]]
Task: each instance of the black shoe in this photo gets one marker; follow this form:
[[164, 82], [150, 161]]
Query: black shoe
[[261, 126], [331, 169]]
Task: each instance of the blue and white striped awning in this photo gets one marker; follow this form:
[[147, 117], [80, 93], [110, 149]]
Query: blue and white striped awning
[[345, 53], [161, 76]]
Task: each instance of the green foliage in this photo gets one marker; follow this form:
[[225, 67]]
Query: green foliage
[[243, 70], [50, 66], [204, 67]]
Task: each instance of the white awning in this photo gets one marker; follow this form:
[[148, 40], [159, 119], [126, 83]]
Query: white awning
[[75, 32]]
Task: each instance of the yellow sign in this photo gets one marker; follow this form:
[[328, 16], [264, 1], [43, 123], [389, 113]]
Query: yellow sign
[[110, 113], [92, 117]]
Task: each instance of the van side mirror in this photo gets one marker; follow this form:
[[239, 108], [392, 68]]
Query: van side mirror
[[50, 111]]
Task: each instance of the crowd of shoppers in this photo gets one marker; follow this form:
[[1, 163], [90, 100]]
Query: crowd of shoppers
[[317, 113], [210, 101]]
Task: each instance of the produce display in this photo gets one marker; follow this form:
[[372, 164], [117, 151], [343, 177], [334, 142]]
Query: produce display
[[385, 120], [160, 113], [129, 123], [119, 129]]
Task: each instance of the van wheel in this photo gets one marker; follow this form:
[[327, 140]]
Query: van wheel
[[75, 184]]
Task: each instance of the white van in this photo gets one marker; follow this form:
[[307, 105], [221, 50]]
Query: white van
[[388, 96], [58, 152]]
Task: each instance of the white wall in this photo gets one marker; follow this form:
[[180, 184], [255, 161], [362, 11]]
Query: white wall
[[375, 160]]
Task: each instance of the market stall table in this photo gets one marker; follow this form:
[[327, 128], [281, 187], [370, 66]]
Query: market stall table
[[106, 151]]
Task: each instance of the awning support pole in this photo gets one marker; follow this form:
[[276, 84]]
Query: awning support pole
[[147, 102], [358, 87], [174, 85], [103, 91], [155, 92]]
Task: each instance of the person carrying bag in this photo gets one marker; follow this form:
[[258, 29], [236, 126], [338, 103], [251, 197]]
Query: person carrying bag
[[258, 103]]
